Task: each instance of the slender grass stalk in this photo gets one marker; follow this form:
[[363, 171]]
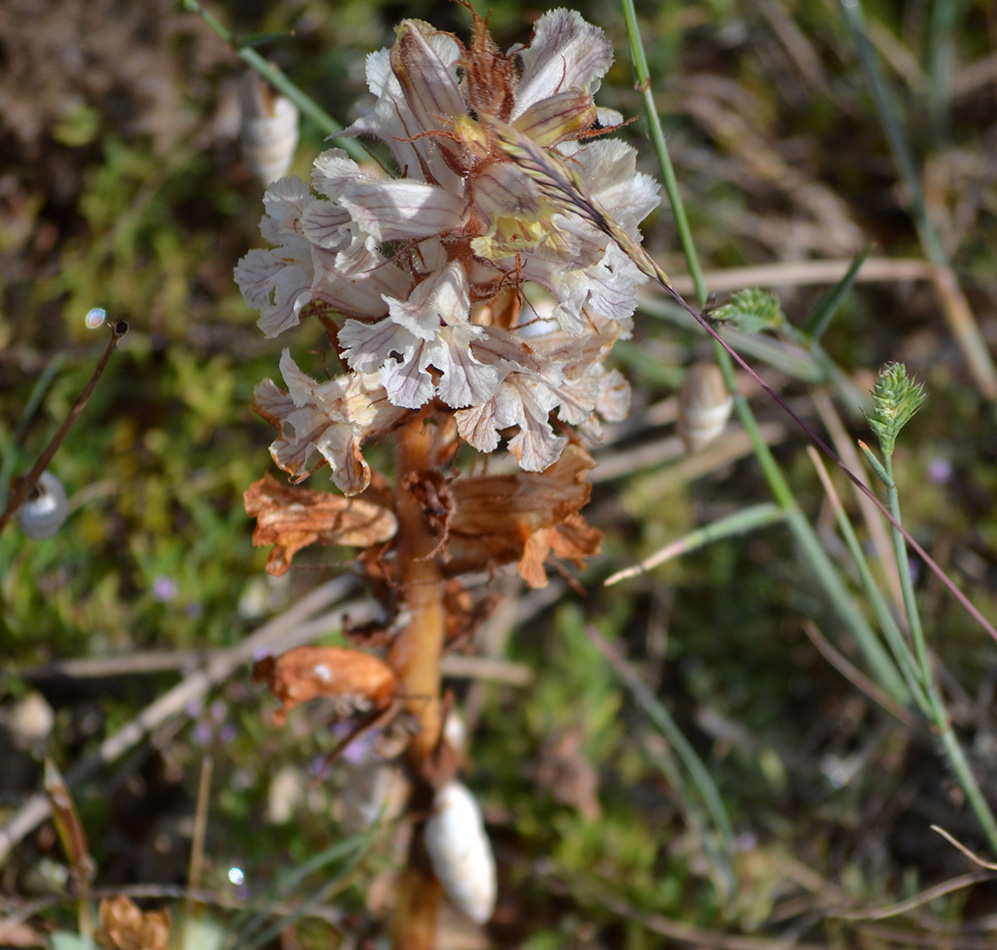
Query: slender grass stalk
[[24, 485], [906, 661], [661, 148], [10, 454], [964, 327], [895, 399], [698, 774], [878, 659], [273, 75], [740, 522], [257, 927], [786, 358], [943, 19], [936, 708], [882, 665]]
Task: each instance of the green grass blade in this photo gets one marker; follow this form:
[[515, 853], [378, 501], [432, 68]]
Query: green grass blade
[[667, 726], [828, 305]]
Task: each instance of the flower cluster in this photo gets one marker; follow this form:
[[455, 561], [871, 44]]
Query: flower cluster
[[424, 280]]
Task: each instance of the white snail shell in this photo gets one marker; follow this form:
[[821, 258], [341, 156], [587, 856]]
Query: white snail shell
[[460, 852], [704, 405], [43, 514], [268, 130]]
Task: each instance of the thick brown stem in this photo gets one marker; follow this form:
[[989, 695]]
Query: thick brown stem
[[415, 658], [418, 901], [415, 653]]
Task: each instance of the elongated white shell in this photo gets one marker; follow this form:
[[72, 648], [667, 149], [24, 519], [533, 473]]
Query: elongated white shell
[[460, 852], [43, 514], [704, 405], [268, 131]]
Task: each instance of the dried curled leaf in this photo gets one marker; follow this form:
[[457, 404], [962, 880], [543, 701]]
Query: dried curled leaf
[[290, 518], [357, 681], [570, 540], [502, 519]]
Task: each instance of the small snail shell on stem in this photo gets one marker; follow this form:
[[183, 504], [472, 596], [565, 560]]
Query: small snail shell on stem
[[460, 852], [268, 131], [704, 405], [43, 514]]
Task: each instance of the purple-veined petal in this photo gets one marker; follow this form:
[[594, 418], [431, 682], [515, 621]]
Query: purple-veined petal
[[466, 381], [332, 170], [520, 402], [440, 299], [360, 293], [407, 381], [324, 224], [609, 166], [332, 418], [399, 210], [558, 117], [369, 346], [277, 283], [564, 53], [285, 202], [426, 72]]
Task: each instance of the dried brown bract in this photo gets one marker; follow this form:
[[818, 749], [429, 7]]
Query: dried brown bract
[[290, 518], [358, 682], [125, 927], [504, 519]]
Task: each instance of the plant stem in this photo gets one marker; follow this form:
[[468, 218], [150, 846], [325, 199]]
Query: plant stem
[[417, 902], [280, 82], [901, 650], [803, 531], [415, 657], [936, 708], [20, 492], [906, 584], [661, 148], [961, 321], [415, 652]]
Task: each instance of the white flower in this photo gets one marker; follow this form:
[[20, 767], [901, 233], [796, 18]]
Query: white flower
[[430, 329], [281, 282], [425, 263], [332, 418]]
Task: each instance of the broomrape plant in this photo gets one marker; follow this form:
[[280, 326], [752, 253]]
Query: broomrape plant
[[468, 300], [430, 268]]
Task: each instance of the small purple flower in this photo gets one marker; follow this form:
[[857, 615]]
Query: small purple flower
[[939, 470], [203, 734], [164, 588]]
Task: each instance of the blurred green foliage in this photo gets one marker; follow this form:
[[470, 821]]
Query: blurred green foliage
[[136, 200]]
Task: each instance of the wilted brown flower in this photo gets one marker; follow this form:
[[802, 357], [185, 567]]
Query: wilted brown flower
[[290, 518], [502, 519]]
